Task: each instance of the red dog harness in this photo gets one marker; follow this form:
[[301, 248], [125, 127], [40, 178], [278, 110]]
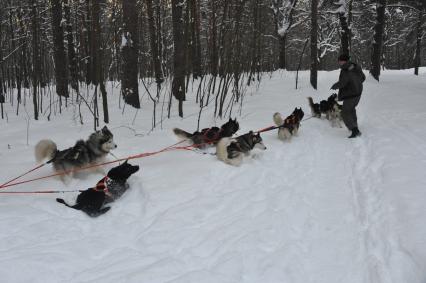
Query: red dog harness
[[102, 186], [215, 137]]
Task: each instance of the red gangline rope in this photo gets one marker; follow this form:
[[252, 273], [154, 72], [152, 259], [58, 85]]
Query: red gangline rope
[[169, 148], [41, 192], [20, 176]]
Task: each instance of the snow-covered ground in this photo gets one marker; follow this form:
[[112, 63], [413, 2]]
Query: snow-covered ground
[[321, 208]]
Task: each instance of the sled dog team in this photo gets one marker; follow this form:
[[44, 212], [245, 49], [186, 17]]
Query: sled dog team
[[228, 149]]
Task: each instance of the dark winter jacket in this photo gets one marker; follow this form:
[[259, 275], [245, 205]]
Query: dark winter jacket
[[350, 81]]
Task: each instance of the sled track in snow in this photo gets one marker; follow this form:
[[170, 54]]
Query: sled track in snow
[[370, 209], [379, 244]]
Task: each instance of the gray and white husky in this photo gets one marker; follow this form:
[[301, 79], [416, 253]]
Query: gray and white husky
[[231, 150], [83, 153]]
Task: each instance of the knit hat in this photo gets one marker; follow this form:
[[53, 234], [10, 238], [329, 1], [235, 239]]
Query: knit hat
[[343, 57]]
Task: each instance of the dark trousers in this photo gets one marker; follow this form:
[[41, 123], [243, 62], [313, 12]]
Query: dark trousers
[[349, 112]]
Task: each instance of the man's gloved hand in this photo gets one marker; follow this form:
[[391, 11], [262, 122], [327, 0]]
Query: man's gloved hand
[[334, 87]]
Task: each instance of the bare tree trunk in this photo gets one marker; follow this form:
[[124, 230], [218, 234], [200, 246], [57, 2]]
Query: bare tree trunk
[[222, 61], [284, 9], [14, 61], [195, 38], [345, 34], [72, 60], [345, 10], [2, 74], [187, 39], [2, 97], [282, 52], [254, 64], [178, 84], [300, 61], [213, 40], [130, 49], [314, 44], [376, 55], [87, 32], [97, 55], [154, 44], [59, 49], [417, 57], [36, 55]]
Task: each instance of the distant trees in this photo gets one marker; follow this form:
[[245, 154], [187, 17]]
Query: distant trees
[[220, 45], [283, 11]]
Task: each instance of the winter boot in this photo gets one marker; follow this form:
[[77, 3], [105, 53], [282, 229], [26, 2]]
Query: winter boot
[[355, 133]]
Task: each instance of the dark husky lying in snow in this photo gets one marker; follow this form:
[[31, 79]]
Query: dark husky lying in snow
[[289, 126], [108, 189], [210, 135], [231, 150], [83, 153]]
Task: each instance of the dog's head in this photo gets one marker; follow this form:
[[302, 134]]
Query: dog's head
[[337, 108], [104, 138], [122, 172], [332, 97], [257, 141], [230, 127], [298, 113]]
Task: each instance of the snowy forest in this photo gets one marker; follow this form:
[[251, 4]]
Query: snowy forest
[[212, 141], [59, 52]]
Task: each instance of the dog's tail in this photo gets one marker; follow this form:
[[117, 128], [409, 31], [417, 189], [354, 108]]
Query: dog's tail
[[45, 149], [64, 203], [311, 103], [314, 111], [181, 134], [278, 119]]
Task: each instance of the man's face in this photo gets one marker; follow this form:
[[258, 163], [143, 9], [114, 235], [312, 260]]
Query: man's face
[[341, 63]]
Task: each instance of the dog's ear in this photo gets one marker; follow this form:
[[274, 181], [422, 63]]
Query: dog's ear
[[126, 162]]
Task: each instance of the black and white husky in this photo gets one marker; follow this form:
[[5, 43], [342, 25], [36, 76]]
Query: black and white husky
[[92, 201], [83, 153], [209, 135], [289, 126], [330, 108], [231, 150]]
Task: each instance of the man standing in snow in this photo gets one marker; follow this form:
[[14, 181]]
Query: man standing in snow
[[350, 90]]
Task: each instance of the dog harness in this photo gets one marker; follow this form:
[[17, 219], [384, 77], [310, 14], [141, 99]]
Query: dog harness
[[216, 135], [290, 122], [102, 186]]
